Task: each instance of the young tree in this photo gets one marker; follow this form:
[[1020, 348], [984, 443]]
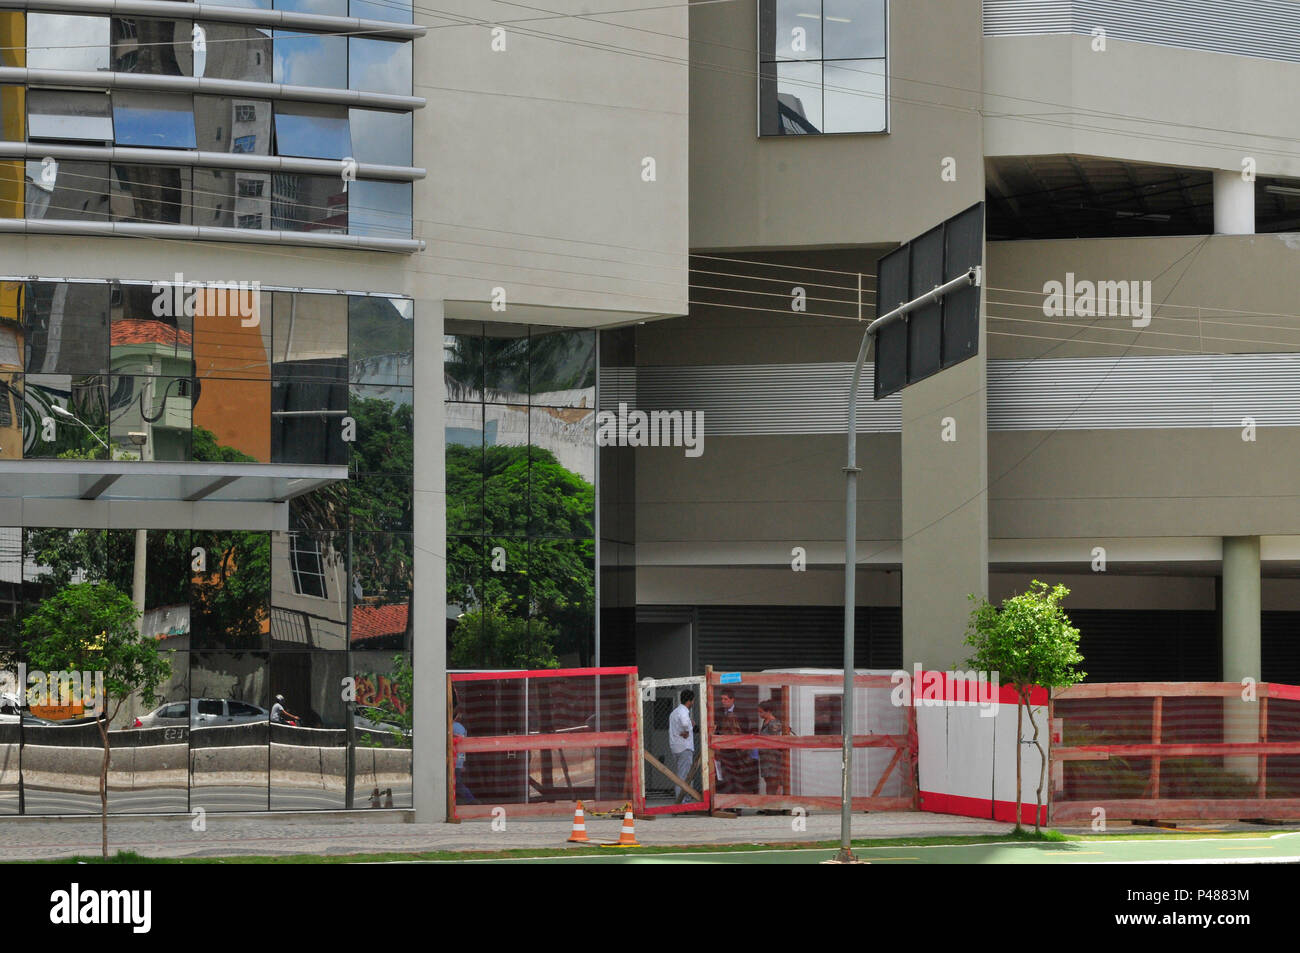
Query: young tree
[[90, 627], [1028, 641]]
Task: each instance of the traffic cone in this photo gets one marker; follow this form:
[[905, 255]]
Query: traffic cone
[[627, 836], [579, 835]]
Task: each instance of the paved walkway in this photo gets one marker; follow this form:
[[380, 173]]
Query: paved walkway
[[264, 834]]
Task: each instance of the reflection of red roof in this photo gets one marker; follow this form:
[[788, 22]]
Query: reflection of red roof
[[373, 622], [148, 331]]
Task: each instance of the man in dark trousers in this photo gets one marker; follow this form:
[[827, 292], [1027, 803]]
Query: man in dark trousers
[[739, 767]]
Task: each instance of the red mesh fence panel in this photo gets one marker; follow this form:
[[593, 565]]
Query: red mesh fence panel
[[1146, 751], [775, 742], [536, 742]]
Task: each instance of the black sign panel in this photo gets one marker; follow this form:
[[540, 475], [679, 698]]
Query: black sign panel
[[940, 334]]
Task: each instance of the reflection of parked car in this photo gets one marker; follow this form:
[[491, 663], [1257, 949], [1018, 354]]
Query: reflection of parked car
[[366, 718], [172, 713], [202, 713]]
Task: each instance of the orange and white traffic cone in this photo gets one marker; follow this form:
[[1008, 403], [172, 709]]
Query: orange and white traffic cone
[[627, 836], [579, 835]]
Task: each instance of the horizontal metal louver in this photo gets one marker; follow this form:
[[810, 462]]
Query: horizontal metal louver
[[753, 638], [1268, 29]]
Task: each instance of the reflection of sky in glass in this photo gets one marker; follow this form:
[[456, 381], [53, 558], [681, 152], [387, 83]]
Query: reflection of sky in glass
[[855, 29], [307, 60], [855, 96], [312, 136], [799, 89], [55, 41], [382, 138], [379, 66], [326, 8], [380, 209], [153, 119], [250, 4], [394, 11], [792, 14]]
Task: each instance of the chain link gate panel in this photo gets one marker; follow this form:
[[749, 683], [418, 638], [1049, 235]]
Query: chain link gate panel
[[676, 782]]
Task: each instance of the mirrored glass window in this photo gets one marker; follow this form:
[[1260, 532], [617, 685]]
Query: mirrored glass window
[[562, 472], [385, 429], [822, 67], [309, 756], [314, 131], [229, 735], [379, 66], [156, 47], [311, 59], [152, 193], [77, 191], [394, 11], [65, 416], [230, 600], [324, 8], [463, 356], [150, 417], [235, 51], [505, 363], [505, 469], [381, 340], [151, 332], [232, 332], [562, 368], [307, 203], [232, 420], [463, 432], [249, 4], [11, 411], [382, 579], [382, 719], [380, 209], [157, 120], [66, 327], [69, 114], [232, 198], [233, 124], [380, 137], [63, 41], [309, 591]]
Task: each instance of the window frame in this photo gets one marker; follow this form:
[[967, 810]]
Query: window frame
[[762, 78]]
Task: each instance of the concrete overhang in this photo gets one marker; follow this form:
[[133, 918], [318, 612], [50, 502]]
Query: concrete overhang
[[161, 481]]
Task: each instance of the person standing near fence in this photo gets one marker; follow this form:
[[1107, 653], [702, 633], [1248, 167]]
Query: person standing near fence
[[681, 740], [771, 762]]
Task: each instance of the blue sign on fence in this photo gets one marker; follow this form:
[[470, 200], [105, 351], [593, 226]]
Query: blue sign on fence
[[729, 678]]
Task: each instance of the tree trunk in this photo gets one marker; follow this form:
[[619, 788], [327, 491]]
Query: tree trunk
[[103, 788], [1020, 708], [1042, 770]]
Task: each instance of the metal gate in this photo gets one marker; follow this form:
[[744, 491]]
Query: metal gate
[[665, 791]]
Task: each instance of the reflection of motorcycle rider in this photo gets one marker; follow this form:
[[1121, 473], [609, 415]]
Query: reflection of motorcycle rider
[[281, 715]]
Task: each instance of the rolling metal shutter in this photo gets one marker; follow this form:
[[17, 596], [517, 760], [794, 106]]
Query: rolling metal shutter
[[753, 638]]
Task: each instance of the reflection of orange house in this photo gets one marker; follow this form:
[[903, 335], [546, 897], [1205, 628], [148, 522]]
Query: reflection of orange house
[[233, 365]]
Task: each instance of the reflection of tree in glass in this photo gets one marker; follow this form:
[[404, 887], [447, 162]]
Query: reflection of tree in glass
[[549, 575], [542, 363], [394, 707], [493, 638], [231, 600], [204, 447], [89, 555]]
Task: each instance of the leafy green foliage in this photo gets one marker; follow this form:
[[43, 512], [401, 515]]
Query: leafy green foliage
[[90, 627], [493, 638], [397, 710], [1028, 640], [204, 447]]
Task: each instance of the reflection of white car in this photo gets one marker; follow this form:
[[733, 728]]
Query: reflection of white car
[[202, 713], [207, 712], [365, 718]]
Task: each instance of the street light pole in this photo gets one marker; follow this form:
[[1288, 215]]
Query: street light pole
[[851, 471]]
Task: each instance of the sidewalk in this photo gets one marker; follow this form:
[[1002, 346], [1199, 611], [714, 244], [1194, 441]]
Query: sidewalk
[[267, 834]]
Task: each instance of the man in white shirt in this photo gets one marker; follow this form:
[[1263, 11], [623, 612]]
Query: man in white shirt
[[681, 740]]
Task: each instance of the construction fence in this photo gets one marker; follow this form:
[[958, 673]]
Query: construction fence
[[1153, 750]]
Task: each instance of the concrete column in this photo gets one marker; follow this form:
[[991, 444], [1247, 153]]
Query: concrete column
[[1234, 204], [1241, 645], [1241, 608], [429, 629]]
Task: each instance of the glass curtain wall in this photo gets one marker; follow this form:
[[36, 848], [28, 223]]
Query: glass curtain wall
[[318, 615]]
